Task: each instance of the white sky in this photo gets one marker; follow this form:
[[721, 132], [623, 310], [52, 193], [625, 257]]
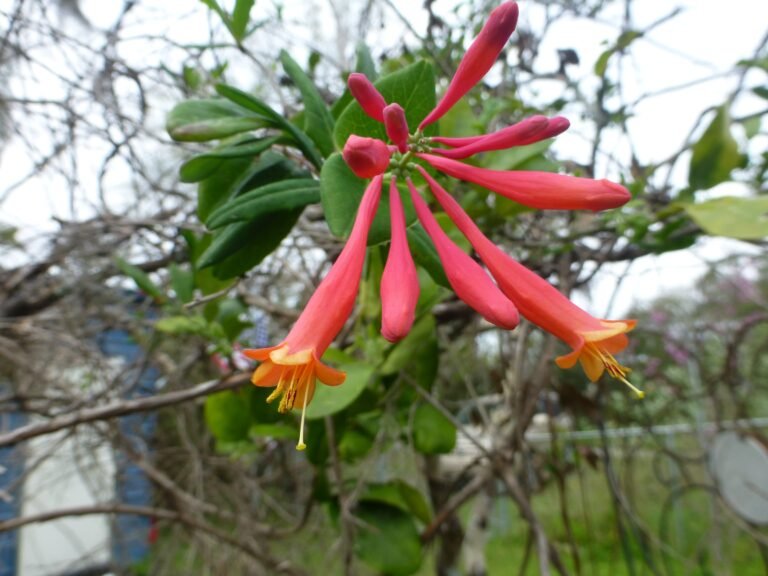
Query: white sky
[[707, 38]]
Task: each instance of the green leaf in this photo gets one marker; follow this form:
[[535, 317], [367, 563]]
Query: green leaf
[[214, 7], [416, 501], [237, 175], [400, 494], [460, 120], [8, 236], [263, 412], [761, 91], [276, 120], [332, 399], [222, 185], [752, 126], [433, 433], [239, 247], [601, 64], [412, 87], [195, 324], [387, 539], [228, 416], [756, 63], [142, 280], [425, 255], [203, 120], [275, 431], [716, 154], [282, 195], [192, 78], [230, 312], [404, 352], [744, 218], [622, 42], [364, 63], [204, 165], [513, 158], [240, 17], [341, 192], [182, 282], [354, 444], [318, 122]]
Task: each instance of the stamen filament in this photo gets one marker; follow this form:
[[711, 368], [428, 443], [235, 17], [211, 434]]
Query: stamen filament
[[278, 389], [301, 445], [614, 369]]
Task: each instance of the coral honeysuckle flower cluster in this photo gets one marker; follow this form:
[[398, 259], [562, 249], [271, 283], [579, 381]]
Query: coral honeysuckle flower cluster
[[294, 365]]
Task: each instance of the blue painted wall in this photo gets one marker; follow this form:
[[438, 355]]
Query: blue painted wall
[[11, 469], [131, 533]]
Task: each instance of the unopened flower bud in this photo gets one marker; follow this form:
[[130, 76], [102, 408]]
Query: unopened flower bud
[[396, 126], [370, 100], [367, 157]]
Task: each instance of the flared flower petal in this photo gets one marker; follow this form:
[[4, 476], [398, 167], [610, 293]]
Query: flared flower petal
[[396, 126], [479, 58], [542, 190], [467, 277], [366, 157], [594, 341], [530, 130], [399, 282], [294, 365], [370, 99]]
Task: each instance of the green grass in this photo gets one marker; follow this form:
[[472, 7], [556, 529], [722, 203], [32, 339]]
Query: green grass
[[692, 534]]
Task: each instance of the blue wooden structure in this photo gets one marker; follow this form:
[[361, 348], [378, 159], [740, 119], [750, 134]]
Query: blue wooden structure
[[11, 470]]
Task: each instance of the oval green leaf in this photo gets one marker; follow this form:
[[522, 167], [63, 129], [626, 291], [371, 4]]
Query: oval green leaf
[[433, 433], [743, 218], [282, 195], [387, 539], [329, 400]]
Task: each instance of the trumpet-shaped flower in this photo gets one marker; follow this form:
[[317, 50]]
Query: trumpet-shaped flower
[[594, 341], [528, 131], [467, 278], [542, 190], [399, 282], [478, 59], [396, 126], [371, 101], [294, 365]]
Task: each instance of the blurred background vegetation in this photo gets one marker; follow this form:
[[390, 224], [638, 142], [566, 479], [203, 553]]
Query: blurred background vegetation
[[136, 139]]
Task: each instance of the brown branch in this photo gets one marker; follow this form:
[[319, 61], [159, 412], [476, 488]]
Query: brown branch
[[281, 567], [347, 521], [121, 408], [454, 503]]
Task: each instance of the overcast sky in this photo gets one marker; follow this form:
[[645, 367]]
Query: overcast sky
[[703, 41]]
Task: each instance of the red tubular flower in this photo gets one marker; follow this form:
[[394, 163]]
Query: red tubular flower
[[294, 364], [370, 99], [594, 341], [530, 130], [542, 190], [366, 157], [478, 59], [396, 126], [400, 282], [467, 278]]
